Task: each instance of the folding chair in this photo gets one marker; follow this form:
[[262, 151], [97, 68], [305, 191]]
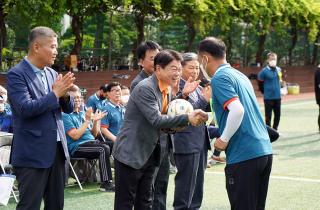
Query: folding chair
[[5, 145], [75, 175], [86, 176]]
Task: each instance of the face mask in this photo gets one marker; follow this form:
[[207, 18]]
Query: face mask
[[125, 99], [273, 63], [5, 97], [1, 107], [203, 68]]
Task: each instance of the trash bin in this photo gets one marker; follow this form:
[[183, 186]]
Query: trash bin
[[293, 88]]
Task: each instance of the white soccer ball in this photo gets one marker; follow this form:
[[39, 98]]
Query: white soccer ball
[[179, 107]]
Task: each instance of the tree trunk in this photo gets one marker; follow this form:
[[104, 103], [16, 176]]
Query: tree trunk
[[139, 21], [294, 38], [315, 50], [306, 53], [77, 26], [98, 39], [191, 36], [229, 45], [110, 42], [262, 40], [3, 32]]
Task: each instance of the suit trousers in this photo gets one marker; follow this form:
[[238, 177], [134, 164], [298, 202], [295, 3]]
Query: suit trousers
[[134, 186], [37, 183], [247, 183], [162, 176], [188, 192], [272, 105]]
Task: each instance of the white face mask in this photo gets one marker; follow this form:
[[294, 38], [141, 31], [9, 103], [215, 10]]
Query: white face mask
[[273, 63], [1, 107], [125, 99], [203, 68]]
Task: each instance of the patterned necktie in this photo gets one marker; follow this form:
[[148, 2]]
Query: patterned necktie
[[164, 101], [44, 81]]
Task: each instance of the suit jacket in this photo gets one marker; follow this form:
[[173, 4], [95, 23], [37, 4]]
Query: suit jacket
[[192, 139], [142, 124], [141, 76], [36, 117]]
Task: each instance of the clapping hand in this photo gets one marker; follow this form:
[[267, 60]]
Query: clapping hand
[[98, 115], [197, 117], [190, 86], [63, 84]]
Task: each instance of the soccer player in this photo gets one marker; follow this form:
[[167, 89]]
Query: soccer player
[[244, 135]]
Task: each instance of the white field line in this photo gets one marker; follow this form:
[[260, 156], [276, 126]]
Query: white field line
[[300, 103], [278, 177]]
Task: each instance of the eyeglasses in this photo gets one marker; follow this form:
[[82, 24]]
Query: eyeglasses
[[115, 90]]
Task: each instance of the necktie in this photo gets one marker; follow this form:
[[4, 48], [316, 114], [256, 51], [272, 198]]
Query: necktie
[[44, 81], [164, 101]]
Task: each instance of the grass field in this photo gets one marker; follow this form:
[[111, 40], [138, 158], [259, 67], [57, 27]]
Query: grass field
[[294, 183]]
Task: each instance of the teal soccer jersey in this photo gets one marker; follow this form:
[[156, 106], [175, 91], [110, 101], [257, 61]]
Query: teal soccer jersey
[[95, 103], [251, 140], [114, 118], [74, 121], [271, 82]]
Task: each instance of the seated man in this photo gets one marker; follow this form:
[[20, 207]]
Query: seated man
[[5, 117], [98, 99], [81, 134], [112, 122]]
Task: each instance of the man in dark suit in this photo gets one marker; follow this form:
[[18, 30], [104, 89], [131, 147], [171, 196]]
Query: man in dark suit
[[37, 95], [191, 144], [137, 147], [146, 52]]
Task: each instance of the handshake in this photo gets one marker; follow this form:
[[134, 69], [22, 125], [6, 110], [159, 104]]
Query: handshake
[[197, 117]]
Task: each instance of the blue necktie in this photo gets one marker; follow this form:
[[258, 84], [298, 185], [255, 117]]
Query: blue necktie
[[44, 81]]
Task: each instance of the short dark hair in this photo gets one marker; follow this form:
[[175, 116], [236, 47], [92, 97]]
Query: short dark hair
[[214, 46], [145, 46], [164, 57], [103, 88], [111, 85], [41, 31]]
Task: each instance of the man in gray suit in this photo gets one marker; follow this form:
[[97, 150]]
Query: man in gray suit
[[137, 147]]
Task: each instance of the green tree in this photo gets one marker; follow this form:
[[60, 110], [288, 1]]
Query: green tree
[[140, 10]]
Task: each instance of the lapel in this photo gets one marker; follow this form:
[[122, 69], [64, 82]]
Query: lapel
[[33, 77], [157, 90]]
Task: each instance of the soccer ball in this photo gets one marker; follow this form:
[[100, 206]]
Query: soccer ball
[[179, 107]]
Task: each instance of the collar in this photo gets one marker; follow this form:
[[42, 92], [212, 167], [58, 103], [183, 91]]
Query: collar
[[113, 105], [222, 66], [34, 68], [144, 73], [163, 87], [270, 68], [76, 112], [97, 97]]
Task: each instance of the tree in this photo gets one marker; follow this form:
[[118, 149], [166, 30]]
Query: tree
[[79, 11], [192, 13], [141, 9]]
